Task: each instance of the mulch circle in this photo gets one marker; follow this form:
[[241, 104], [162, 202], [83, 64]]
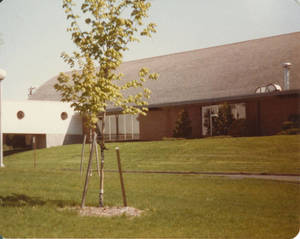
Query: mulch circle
[[107, 211]]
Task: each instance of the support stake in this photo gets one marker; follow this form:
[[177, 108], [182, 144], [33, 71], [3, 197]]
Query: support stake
[[34, 151], [121, 177], [97, 158], [102, 147], [87, 175], [101, 191], [82, 154]]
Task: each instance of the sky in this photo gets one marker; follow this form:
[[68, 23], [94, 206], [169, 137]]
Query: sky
[[33, 33]]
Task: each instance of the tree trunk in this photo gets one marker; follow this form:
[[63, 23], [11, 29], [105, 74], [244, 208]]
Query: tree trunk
[[102, 148]]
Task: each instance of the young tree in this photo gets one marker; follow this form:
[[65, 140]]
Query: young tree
[[224, 120], [102, 33], [183, 128]]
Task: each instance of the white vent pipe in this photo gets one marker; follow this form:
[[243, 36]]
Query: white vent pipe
[[286, 75]]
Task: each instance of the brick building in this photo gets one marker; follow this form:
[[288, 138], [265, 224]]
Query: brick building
[[203, 79]]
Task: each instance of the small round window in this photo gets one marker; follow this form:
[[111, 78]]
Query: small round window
[[20, 114], [64, 115]]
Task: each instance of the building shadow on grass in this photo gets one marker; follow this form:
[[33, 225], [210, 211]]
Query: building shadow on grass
[[15, 151], [22, 200]]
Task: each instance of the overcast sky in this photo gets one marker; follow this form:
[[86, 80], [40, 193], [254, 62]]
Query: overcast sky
[[33, 32]]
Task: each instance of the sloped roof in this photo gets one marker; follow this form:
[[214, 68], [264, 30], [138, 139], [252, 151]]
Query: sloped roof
[[210, 73]]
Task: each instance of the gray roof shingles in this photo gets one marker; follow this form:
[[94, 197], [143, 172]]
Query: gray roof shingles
[[222, 71]]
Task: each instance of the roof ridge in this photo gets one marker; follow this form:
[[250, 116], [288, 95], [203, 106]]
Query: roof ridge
[[211, 47]]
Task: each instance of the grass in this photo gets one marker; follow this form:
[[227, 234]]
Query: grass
[[176, 205], [275, 154]]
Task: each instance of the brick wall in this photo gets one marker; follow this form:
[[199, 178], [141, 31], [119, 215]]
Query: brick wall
[[264, 116], [161, 122], [275, 110]]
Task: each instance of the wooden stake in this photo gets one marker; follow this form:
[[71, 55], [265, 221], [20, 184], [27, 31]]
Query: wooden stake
[[82, 154], [97, 159], [34, 151], [101, 191], [102, 147], [91, 139], [87, 175], [121, 177]]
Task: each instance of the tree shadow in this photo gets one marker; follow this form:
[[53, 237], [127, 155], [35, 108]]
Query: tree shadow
[[62, 203], [20, 200]]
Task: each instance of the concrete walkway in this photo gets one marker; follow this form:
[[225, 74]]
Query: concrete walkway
[[279, 177], [294, 178]]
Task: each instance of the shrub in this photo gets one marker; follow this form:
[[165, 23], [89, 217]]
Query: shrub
[[224, 120], [287, 125], [291, 131], [292, 126], [183, 128], [238, 128], [295, 118]]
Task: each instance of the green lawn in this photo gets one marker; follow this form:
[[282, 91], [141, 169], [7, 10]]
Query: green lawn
[[176, 205], [276, 154]]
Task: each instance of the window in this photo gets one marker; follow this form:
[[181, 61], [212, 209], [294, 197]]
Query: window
[[121, 127], [20, 114], [64, 115], [210, 112]]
